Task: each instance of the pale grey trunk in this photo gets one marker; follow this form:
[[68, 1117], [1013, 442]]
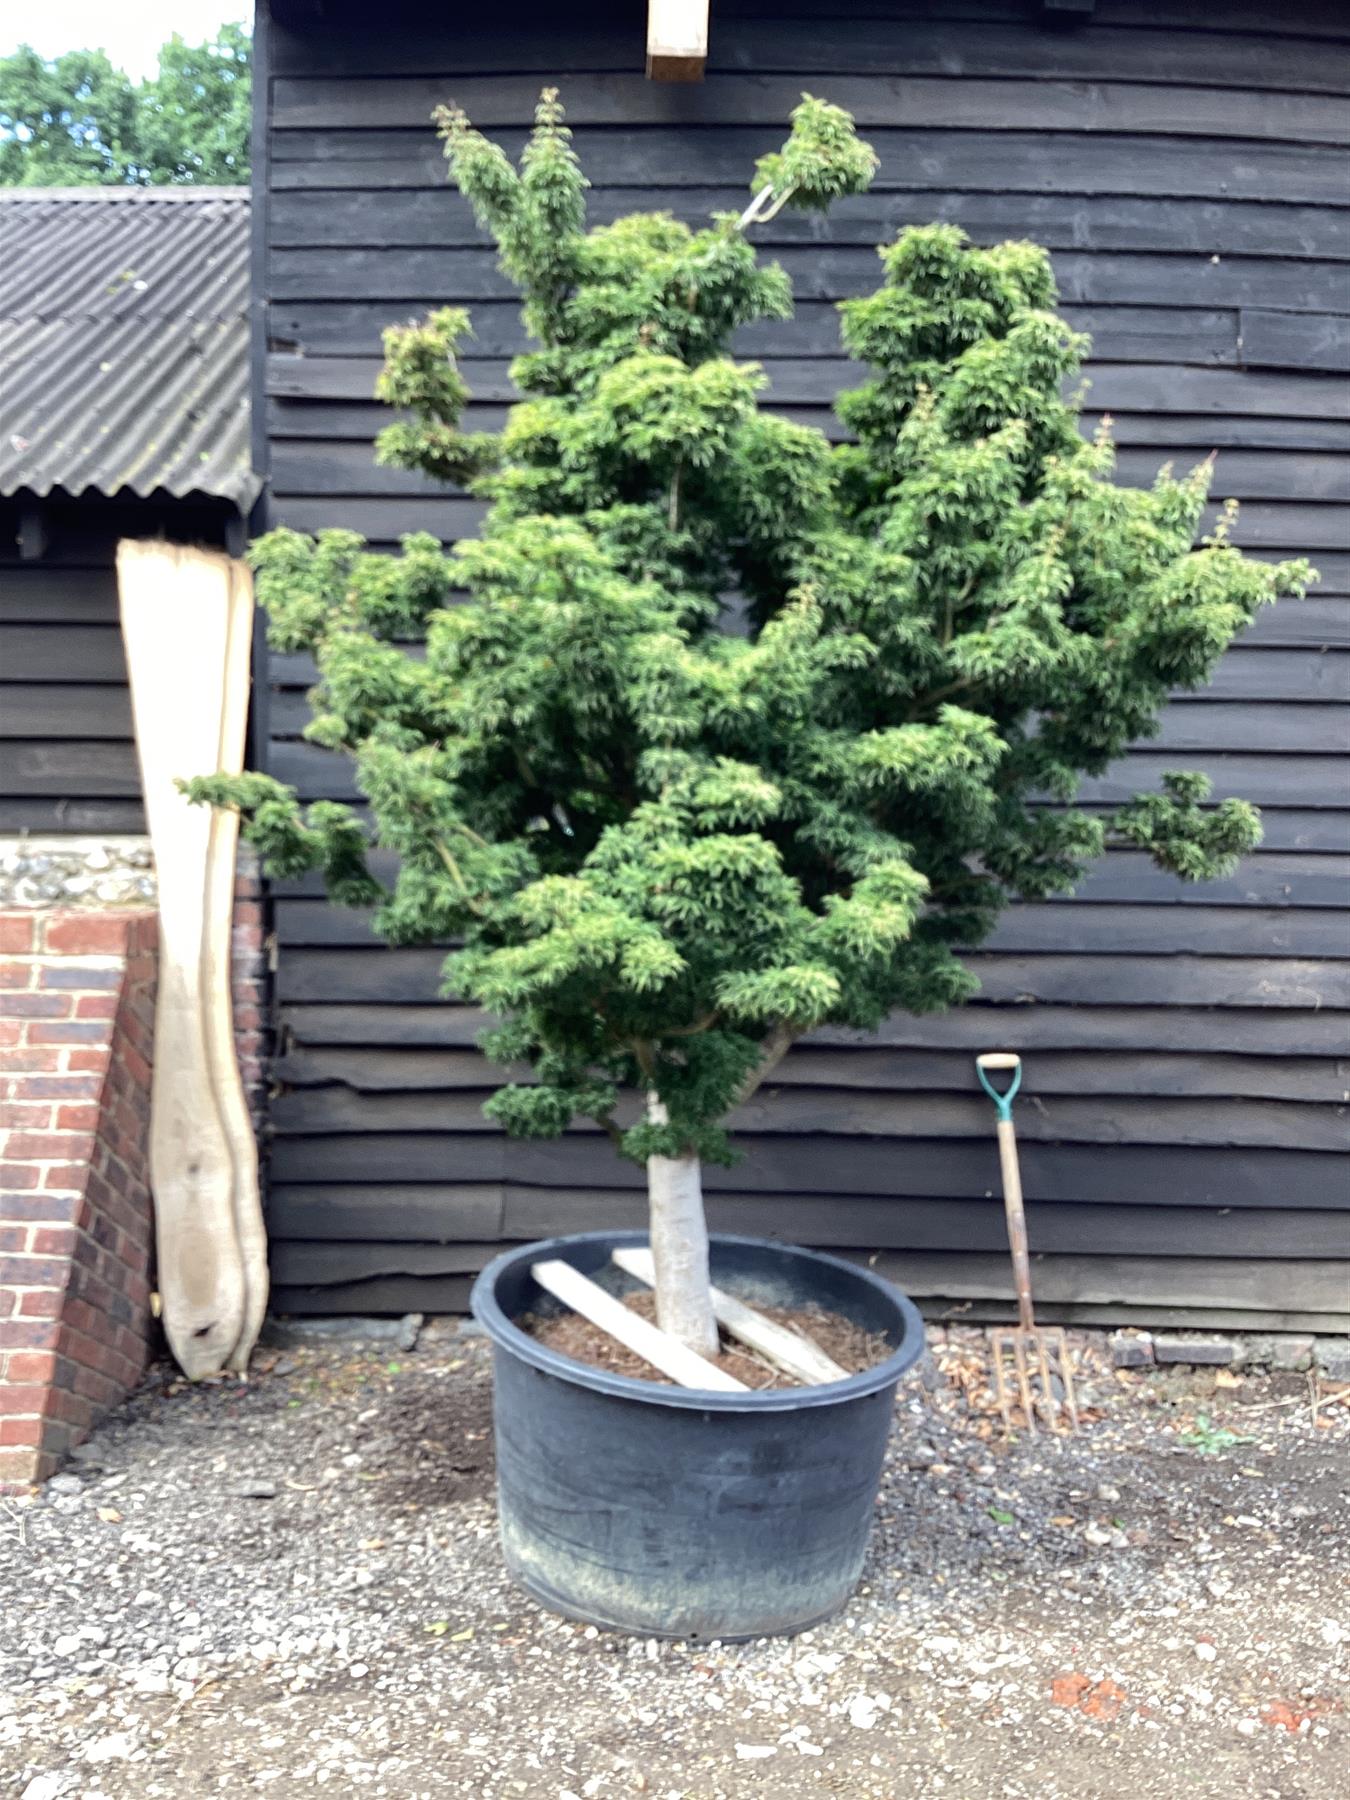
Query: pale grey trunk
[[679, 1236]]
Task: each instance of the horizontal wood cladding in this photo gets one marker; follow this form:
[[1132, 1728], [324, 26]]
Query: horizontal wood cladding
[[67, 754], [1189, 44], [1039, 1028], [65, 714], [938, 102], [356, 217], [410, 276], [1188, 1049], [773, 1166], [433, 1215]]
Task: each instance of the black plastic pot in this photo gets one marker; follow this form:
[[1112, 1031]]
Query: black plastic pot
[[679, 1513]]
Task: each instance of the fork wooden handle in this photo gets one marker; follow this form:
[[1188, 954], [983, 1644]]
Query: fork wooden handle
[[1017, 1221]]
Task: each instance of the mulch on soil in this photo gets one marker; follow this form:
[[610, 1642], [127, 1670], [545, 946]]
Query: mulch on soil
[[848, 1344]]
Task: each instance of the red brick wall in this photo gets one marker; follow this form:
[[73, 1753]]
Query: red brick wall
[[76, 1042]]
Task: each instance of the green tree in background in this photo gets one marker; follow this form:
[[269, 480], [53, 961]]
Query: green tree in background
[[78, 121], [668, 848]]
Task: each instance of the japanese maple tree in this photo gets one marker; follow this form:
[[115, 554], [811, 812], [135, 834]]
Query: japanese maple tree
[[722, 732]]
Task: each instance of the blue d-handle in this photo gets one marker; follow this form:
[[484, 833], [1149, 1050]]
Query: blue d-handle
[[1002, 1101]]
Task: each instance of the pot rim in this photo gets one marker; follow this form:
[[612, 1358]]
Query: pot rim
[[505, 1333]]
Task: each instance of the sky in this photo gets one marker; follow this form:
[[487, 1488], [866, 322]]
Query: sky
[[131, 32]]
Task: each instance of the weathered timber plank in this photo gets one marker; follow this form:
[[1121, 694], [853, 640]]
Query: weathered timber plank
[[338, 467], [88, 817], [432, 1215], [843, 1113], [1206, 1176], [1266, 779], [1314, 1286], [1112, 278], [1163, 981], [58, 770], [969, 1028], [55, 710], [398, 1295], [1202, 726], [353, 217], [973, 103], [1265, 878], [1294, 340], [34, 594], [319, 1264], [386, 975], [296, 416], [393, 1212], [1102, 929], [815, 46], [1302, 1078], [382, 521], [64, 653]]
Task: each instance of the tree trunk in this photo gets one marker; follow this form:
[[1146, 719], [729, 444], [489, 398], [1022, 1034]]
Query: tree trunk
[[679, 1237]]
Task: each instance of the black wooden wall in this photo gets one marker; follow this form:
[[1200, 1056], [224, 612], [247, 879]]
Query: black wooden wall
[[67, 756], [1187, 1058]]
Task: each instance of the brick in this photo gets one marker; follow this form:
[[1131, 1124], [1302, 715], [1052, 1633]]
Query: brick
[[75, 1412], [1197, 1350], [23, 1060], [17, 974], [28, 1115], [43, 1208], [53, 1240], [18, 1175], [65, 1177], [56, 1087], [10, 1031], [40, 1367], [38, 1006], [71, 1031], [50, 1146], [31, 1271], [20, 1431], [80, 1115], [92, 1062], [37, 1308], [18, 1400], [1275, 1350], [88, 934], [17, 931], [80, 977], [96, 1006]]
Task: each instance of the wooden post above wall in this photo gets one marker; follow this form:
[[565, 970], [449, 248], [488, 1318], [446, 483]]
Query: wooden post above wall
[[677, 39]]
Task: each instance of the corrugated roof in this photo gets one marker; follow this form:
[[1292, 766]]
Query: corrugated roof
[[124, 341]]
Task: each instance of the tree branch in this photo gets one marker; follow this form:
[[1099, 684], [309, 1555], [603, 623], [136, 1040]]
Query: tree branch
[[457, 876], [606, 1123], [776, 1046]]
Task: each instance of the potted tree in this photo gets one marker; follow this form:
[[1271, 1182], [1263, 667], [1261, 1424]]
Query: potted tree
[[721, 734]]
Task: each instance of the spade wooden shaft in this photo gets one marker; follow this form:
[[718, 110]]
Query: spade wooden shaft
[[1017, 1222]]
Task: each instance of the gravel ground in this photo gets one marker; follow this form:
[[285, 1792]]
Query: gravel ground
[[293, 1585]]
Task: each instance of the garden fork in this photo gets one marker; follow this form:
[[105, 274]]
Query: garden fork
[[1037, 1355]]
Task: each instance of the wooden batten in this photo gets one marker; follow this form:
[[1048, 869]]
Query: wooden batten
[[187, 623], [677, 39]]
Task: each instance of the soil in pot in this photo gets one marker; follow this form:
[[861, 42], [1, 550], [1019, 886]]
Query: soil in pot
[[848, 1344]]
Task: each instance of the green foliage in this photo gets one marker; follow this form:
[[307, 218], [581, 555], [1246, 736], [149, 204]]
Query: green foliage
[[77, 120], [668, 847]]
